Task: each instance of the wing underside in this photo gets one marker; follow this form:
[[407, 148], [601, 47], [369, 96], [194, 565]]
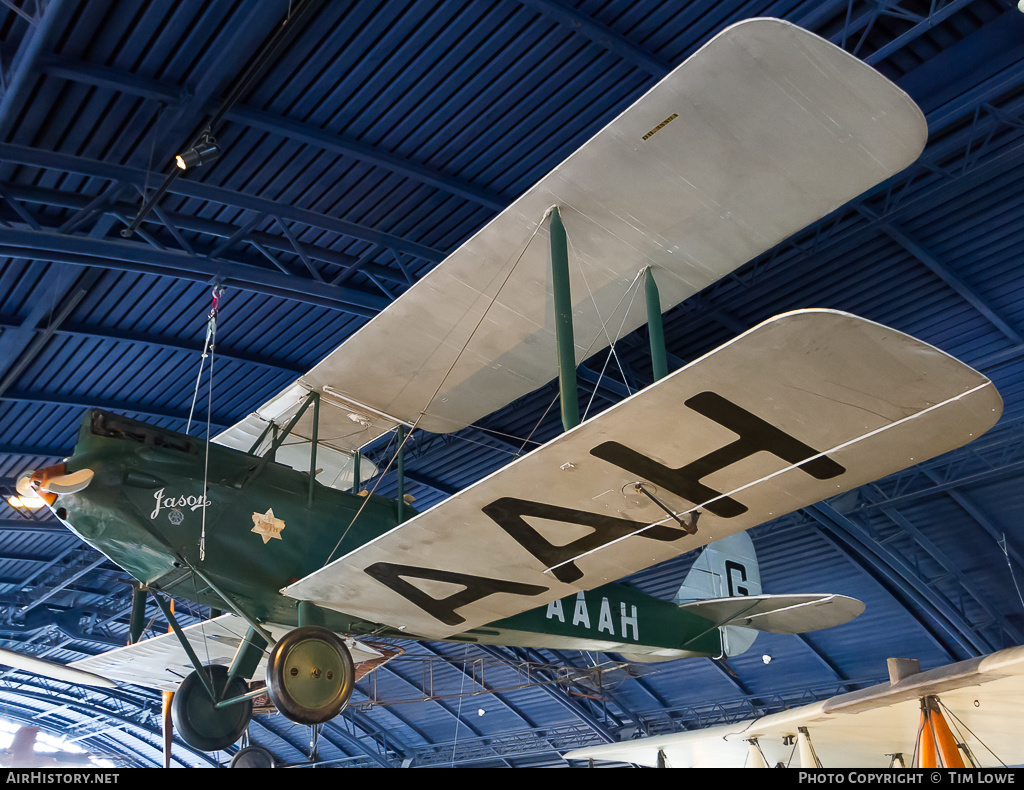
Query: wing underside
[[800, 408], [762, 131], [779, 614], [981, 698], [161, 662]]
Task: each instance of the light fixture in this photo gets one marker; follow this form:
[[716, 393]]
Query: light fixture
[[203, 153], [766, 658], [31, 503]]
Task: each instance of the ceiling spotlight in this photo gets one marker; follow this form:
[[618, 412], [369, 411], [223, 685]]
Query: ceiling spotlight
[[766, 658], [30, 502], [204, 152]]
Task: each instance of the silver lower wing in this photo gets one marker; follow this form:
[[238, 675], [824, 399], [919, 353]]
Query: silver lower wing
[[804, 406], [161, 662]]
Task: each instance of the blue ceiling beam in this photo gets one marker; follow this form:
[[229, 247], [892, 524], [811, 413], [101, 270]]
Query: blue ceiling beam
[[339, 144], [112, 79], [946, 85], [600, 34], [31, 526], [562, 698], [862, 548], [134, 257], [243, 32], [819, 13], [1002, 469], [65, 163], [108, 404], [31, 47], [224, 353], [34, 451], [841, 677], [948, 564], [133, 84], [430, 482], [944, 273], [15, 195], [926, 23], [998, 535]]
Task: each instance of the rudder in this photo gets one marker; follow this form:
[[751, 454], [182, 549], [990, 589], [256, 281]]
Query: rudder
[[726, 568]]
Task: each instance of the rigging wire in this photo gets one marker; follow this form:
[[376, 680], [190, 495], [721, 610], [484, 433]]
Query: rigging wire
[[209, 346], [593, 342], [611, 349], [961, 742], [441, 384], [604, 324], [458, 712], [1006, 553]]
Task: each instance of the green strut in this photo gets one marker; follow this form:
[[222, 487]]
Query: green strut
[[567, 389], [655, 330]]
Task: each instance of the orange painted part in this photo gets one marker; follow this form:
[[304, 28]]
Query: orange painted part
[[46, 474], [41, 477], [951, 757], [936, 746], [167, 727], [927, 756]]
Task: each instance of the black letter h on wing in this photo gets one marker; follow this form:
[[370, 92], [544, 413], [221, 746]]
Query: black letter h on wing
[[755, 435]]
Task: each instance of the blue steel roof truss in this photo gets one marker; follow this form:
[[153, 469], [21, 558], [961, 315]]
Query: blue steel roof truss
[[375, 142]]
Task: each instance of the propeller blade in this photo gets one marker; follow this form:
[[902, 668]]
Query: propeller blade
[[168, 727], [68, 484], [24, 484], [137, 621]]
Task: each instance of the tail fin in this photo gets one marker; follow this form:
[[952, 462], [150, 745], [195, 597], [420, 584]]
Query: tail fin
[[726, 568]]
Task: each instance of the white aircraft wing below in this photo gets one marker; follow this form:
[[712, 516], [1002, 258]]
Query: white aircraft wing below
[[759, 133], [161, 662], [800, 408], [982, 698], [51, 669]]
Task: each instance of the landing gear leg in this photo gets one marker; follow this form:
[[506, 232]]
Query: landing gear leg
[[202, 725], [310, 675]]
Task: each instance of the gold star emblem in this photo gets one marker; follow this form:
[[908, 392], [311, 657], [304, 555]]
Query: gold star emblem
[[267, 525]]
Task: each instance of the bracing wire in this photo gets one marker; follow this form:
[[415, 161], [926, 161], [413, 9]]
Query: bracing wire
[[1013, 578], [604, 329], [209, 346], [458, 712], [961, 741], [441, 384], [604, 323]]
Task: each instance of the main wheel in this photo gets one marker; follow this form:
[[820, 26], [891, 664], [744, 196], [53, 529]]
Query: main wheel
[[198, 722], [310, 675], [253, 757]]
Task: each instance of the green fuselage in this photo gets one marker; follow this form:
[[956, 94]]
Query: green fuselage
[[145, 509]]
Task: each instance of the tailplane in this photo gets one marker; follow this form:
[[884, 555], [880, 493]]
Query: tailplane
[[724, 585], [725, 569]]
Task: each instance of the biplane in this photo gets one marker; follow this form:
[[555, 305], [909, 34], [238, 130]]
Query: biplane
[[961, 715], [764, 130]]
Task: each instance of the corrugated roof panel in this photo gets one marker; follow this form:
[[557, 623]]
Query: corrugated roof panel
[[486, 97]]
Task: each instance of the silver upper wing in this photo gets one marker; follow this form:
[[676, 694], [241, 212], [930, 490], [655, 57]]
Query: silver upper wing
[[762, 131]]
